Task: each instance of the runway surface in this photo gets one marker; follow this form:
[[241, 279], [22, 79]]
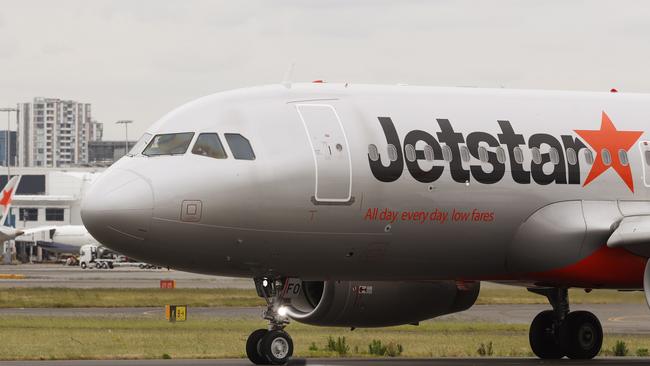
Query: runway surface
[[58, 275], [351, 362], [615, 318]]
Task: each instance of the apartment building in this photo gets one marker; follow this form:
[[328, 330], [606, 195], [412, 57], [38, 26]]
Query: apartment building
[[55, 133]]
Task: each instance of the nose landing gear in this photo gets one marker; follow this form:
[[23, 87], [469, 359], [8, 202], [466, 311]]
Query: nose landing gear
[[557, 333], [273, 346]]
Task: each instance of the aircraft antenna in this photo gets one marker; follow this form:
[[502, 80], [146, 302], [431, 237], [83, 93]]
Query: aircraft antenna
[[288, 76]]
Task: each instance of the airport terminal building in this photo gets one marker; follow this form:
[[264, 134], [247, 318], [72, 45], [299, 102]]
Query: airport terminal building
[[45, 197]]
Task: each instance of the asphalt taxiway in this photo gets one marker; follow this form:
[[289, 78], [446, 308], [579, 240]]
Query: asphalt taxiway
[[351, 362]]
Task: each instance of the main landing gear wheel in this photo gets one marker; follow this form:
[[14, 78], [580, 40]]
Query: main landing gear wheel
[[557, 333], [582, 335], [543, 337]]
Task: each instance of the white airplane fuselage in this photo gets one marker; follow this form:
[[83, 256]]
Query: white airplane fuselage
[[69, 239], [317, 203]]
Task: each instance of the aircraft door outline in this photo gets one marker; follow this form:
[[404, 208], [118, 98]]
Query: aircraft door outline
[[331, 152], [644, 147]]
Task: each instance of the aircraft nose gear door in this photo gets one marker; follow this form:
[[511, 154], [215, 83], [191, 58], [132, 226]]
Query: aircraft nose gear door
[[645, 158], [331, 153]]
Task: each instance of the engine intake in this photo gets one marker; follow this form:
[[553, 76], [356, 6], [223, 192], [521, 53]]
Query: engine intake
[[378, 304]]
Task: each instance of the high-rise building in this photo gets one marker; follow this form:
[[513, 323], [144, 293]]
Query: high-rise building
[[54, 133], [12, 148]]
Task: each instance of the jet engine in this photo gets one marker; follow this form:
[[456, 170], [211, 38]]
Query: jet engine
[[375, 304]]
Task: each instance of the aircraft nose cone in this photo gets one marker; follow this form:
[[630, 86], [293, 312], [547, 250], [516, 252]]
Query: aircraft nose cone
[[117, 209]]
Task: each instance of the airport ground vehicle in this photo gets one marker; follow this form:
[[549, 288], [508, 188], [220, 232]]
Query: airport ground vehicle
[[94, 256], [367, 206], [91, 256]]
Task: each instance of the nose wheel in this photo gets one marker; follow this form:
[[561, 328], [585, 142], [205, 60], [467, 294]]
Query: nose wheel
[[557, 333], [269, 347], [273, 346], [253, 349]]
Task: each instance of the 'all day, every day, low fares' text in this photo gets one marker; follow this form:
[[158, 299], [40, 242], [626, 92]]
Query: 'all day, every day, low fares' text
[[436, 215]]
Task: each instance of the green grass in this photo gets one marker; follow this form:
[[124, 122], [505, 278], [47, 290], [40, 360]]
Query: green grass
[[31, 338], [90, 338], [152, 297]]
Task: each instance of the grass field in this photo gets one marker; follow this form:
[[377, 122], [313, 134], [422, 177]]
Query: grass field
[[70, 297], [114, 338]]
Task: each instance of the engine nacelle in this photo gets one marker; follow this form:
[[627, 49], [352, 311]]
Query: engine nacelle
[[376, 304]]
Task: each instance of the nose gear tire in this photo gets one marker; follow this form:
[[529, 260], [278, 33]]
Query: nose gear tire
[[253, 347], [277, 346]]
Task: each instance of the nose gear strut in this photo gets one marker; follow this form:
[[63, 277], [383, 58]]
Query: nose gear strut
[[272, 346]]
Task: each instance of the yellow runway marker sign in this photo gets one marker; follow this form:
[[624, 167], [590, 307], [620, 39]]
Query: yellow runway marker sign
[[181, 313], [176, 313]]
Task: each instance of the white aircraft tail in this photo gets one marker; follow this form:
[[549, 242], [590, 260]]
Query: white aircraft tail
[[7, 196]]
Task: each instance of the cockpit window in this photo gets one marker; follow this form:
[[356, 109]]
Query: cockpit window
[[208, 144], [169, 144], [240, 146], [142, 142]]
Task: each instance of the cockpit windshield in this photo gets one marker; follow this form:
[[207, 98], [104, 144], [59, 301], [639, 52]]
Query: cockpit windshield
[[169, 144], [142, 142]]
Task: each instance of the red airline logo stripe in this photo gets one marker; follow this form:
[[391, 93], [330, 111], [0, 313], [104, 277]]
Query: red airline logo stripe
[[606, 267]]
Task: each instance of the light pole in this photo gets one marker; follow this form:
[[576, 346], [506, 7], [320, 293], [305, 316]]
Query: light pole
[[125, 122]]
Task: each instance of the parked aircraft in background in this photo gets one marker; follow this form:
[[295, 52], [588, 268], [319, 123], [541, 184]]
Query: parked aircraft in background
[[371, 206], [68, 239]]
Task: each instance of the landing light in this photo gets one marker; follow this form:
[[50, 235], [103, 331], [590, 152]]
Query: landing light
[[282, 311]]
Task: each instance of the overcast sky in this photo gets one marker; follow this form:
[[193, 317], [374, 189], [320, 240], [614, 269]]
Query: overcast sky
[[139, 59]]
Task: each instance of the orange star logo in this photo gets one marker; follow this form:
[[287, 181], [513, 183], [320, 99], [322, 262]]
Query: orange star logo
[[608, 138], [6, 197]]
